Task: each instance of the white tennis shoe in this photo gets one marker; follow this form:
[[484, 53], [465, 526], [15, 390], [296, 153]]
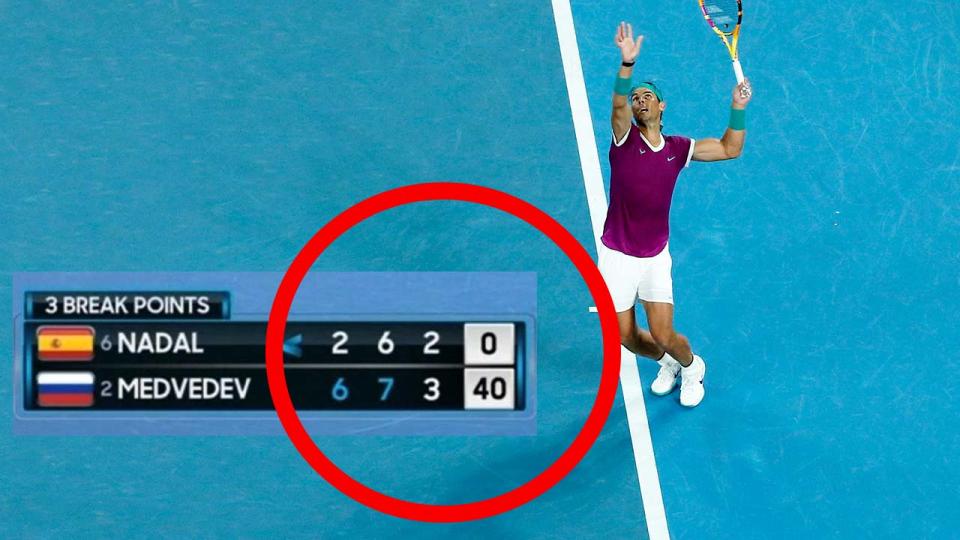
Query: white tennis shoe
[[667, 376], [691, 382]]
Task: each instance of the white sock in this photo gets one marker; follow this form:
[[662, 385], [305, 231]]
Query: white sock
[[692, 362], [667, 359]]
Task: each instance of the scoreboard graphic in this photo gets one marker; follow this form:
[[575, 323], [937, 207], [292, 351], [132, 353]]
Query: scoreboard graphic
[[183, 353]]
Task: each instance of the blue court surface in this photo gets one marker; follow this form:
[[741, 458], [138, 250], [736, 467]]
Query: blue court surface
[[817, 275]]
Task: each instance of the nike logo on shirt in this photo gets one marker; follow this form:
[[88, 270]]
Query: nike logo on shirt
[[671, 158]]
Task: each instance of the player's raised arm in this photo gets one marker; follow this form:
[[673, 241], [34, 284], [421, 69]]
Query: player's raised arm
[[629, 50], [731, 144]]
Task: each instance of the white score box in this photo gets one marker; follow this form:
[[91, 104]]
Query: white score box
[[489, 344], [491, 388]]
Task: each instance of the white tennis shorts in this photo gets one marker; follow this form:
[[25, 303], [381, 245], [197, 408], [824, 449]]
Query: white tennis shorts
[[629, 278]]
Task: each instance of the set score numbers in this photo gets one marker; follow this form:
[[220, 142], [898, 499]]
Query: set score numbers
[[341, 392], [486, 344], [484, 389], [489, 374], [385, 345]]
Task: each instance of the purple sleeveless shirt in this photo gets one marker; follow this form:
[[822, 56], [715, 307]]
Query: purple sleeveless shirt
[[642, 179]]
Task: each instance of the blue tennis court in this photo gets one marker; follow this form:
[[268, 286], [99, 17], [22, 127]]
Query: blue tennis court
[[817, 275]]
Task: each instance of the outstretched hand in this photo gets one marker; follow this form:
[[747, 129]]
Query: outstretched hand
[[629, 47], [742, 94]]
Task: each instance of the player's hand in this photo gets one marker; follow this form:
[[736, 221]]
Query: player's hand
[[629, 47], [742, 94]]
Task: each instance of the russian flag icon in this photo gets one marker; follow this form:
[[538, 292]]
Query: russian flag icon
[[65, 389]]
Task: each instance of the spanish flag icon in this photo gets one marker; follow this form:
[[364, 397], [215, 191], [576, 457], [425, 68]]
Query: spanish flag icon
[[65, 343]]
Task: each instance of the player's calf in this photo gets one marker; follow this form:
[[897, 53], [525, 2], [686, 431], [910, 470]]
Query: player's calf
[[672, 342], [635, 339]]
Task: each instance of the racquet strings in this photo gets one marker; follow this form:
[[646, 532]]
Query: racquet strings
[[724, 14]]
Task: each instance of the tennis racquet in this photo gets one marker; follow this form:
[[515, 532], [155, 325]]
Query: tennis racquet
[[724, 17]]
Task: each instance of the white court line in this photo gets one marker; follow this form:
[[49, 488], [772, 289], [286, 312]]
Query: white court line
[[656, 517]]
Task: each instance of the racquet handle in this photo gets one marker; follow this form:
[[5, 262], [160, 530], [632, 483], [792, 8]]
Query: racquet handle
[[738, 71]]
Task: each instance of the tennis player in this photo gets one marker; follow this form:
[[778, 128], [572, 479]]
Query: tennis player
[[635, 255]]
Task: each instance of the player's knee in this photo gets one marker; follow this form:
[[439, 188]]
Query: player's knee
[[627, 334]]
